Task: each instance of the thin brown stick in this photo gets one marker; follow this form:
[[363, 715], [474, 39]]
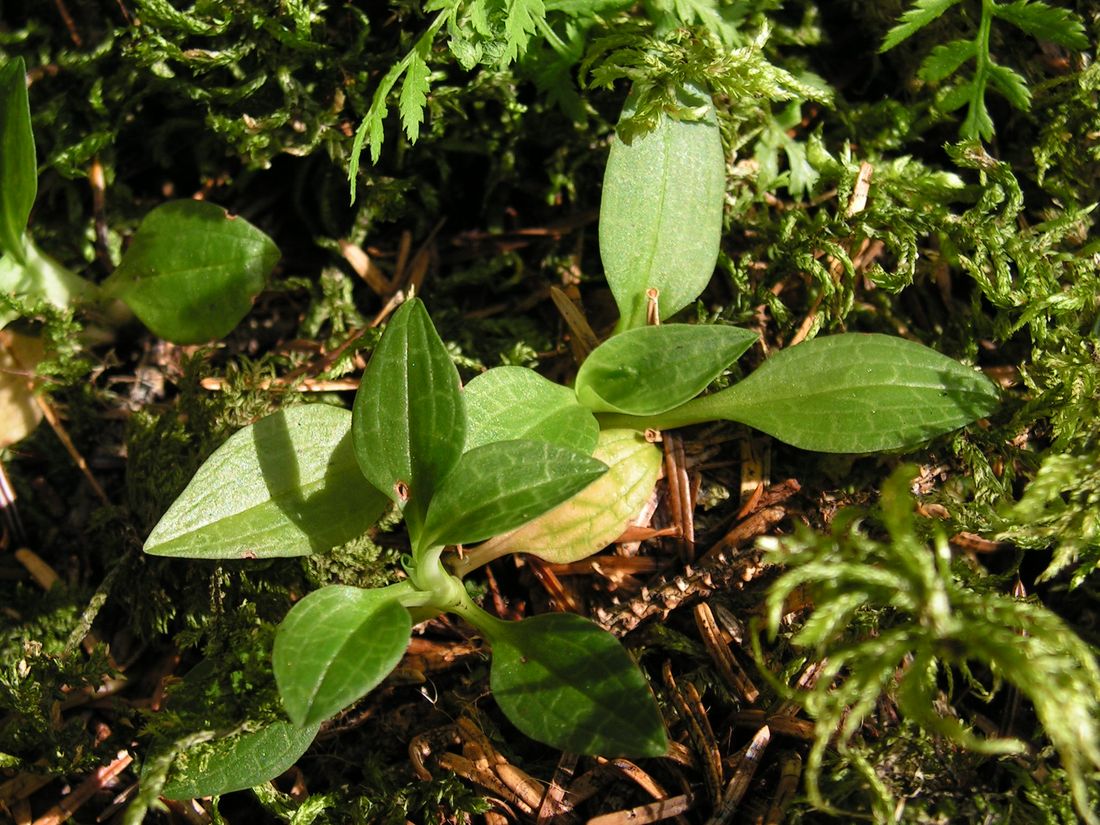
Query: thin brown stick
[[790, 772], [99, 779], [689, 708], [728, 666], [739, 782], [556, 805], [70, 24], [63, 436], [645, 814]]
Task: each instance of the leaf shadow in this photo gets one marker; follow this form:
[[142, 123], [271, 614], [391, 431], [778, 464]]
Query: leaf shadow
[[321, 515]]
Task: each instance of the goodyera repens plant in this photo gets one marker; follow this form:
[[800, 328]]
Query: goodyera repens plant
[[518, 463]]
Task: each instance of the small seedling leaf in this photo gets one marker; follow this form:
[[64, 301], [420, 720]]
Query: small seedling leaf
[[594, 517], [236, 762], [334, 646], [566, 682], [288, 485], [856, 393], [192, 271], [18, 166], [647, 370], [409, 419], [502, 485], [506, 403], [661, 212]]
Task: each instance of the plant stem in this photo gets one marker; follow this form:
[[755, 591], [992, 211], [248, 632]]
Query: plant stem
[[489, 625], [698, 410]]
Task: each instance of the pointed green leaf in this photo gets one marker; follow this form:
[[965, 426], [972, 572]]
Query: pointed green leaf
[[919, 15], [564, 681], [288, 485], [334, 646], [192, 271], [236, 762], [409, 418], [945, 59], [1011, 85], [955, 97], [977, 123], [498, 486], [661, 212], [594, 517], [506, 403], [18, 166], [855, 393], [648, 370], [414, 90]]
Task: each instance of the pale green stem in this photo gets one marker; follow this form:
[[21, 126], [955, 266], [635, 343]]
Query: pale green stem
[[713, 407]]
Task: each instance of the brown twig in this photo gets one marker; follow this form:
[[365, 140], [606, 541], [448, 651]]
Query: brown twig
[[556, 805], [739, 782], [689, 707], [645, 814], [728, 666], [679, 494], [790, 772], [99, 779]]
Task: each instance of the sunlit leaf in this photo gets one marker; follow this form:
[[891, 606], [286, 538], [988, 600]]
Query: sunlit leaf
[[409, 419], [855, 393], [919, 15], [19, 414], [594, 517], [192, 271], [288, 485], [661, 212], [507, 403], [648, 370], [501, 485]]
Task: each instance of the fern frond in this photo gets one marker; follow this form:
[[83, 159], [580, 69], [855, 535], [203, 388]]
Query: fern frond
[[1044, 22], [945, 60], [916, 18], [414, 91]]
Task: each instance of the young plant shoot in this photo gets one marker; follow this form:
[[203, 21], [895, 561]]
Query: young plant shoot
[[521, 464]]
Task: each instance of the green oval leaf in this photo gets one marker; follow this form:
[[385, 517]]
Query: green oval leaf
[[594, 517], [566, 682], [661, 212], [334, 646], [648, 370], [854, 393], [498, 486], [506, 403], [288, 485], [409, 419], [18, 165], [192, 271], [234, 763]]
